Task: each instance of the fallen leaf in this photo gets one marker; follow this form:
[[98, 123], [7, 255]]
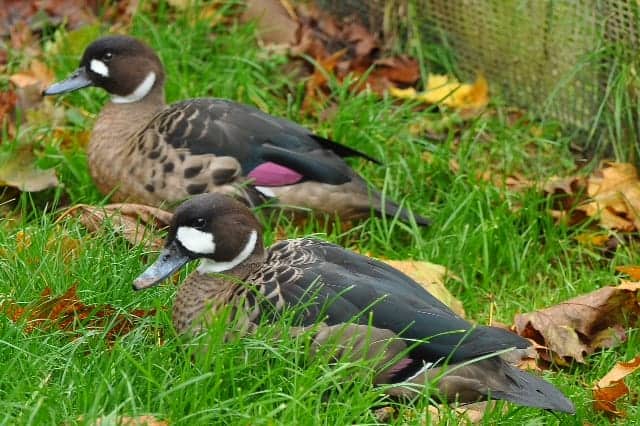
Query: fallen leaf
[[595, 239], [574, 329], [431, 277], [632, 271], [614, 196], [612, 387], [275, 25], [67, 313], [134, 221], [30, 83], [315, 85], [446, 90], [18, 169], [8, 102]]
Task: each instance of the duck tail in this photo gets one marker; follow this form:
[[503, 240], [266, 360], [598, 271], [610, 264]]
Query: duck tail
[[526, 389], [495, 378]]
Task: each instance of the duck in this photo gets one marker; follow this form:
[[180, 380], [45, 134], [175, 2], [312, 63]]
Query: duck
[[370, 309], [143, 150]]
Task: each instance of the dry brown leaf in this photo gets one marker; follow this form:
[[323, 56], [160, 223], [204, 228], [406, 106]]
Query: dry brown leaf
[[275, 25], [131, 220], [574, 329], [612, 387], [68, 313], [316, 84], [8, 102], [431, 277], [18, 169], [614, 192]]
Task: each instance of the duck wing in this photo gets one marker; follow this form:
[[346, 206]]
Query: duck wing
[[254, 138], [345, 286]]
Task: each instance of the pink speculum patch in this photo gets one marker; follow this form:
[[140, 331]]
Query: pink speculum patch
[[272, 174]]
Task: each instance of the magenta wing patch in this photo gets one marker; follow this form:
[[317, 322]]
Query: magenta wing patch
[[272, 174]]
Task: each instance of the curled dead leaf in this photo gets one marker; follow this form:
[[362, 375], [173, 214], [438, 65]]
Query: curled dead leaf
[[614, 196], [611, 195], [574, 329], [430, 276], [136, 222], [612, 387]]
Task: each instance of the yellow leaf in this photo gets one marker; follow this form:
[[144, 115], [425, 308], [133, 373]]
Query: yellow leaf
[[446, 90], [632, 271], [612, 387], [431, 277]]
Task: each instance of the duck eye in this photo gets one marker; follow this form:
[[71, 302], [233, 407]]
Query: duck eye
[[199, 222], [107, 56]]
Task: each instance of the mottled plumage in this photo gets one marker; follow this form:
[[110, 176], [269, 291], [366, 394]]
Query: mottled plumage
[[145, 151], [359, 301]]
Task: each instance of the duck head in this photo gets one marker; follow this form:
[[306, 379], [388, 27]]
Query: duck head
[[217, 229], [123, 66]]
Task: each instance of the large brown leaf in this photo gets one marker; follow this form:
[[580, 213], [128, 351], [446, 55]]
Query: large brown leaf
[[574, 329], [135, 222], [612, 387]]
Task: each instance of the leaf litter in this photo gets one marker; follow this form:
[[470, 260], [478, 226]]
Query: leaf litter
[[68, 313], [137, 223], [338, 49]]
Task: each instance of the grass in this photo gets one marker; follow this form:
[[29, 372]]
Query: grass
[[508, 261]]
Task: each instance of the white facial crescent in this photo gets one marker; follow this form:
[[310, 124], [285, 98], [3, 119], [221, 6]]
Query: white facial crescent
[[195, 240], [99, 67]]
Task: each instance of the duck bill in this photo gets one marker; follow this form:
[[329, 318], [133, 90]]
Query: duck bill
[[78, 80], [169, 261]]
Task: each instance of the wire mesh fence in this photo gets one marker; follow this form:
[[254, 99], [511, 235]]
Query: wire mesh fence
[[554, 57]]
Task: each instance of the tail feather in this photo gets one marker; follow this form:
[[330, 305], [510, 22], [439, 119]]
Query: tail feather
[[527, 389], [495, 378]]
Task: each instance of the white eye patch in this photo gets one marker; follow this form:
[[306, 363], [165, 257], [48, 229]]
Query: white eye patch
[[195, 240], [141, 91], [99, 67]]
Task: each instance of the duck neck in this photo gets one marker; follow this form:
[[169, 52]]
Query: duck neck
[[112, 139], [239, 271], [205, 293]]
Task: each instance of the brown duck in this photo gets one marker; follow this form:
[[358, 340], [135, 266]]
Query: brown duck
[[371, 309], [143, 150]]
